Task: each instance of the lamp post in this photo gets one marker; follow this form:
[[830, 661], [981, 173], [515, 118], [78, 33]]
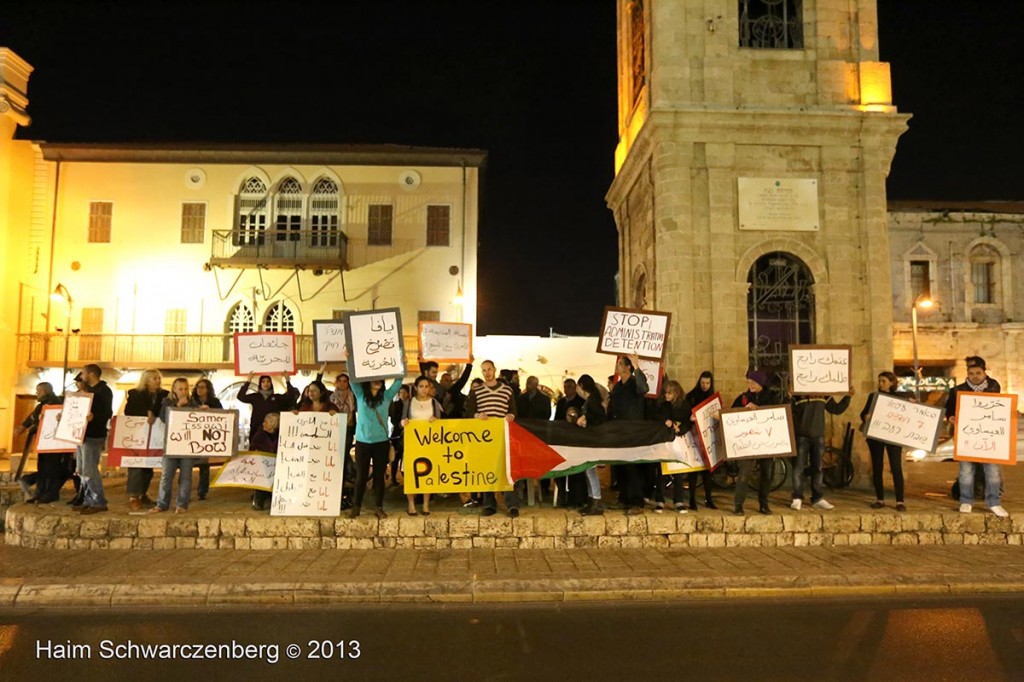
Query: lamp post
[[59, 294], [924, 302]]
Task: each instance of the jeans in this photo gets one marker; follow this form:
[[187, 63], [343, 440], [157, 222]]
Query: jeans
[[377, 453], [993, 483], [815, 447], [593, 484], [88, 458], [767, 467], [513, 498], [138, 481], [169, 464], [878, 450]]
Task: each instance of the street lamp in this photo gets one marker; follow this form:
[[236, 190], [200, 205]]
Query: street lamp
[[924, 302], [59, 294]]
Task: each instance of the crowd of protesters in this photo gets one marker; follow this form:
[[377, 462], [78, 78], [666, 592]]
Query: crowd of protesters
[[377, 414]]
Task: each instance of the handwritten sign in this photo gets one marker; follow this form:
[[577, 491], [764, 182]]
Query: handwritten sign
[[986, 428], [329, 341], [46, 434], [901, 422], [264, 353], [201, 433], [625, 331], [309, 465], [690, 457], [760, 432], [134, 443], [705, 419], [376, 348], [820, 369], [455, 456], [248, 470], [446, 341], [654, 373], [74, 417]]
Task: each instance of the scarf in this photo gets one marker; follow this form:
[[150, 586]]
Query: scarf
[[978, 388]]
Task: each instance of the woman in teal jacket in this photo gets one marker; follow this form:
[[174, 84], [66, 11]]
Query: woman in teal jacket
[[372, 444]]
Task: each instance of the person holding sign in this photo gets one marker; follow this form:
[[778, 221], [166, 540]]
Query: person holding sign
[[978, 381], [49, 472], [701, 391], [809, 427], [677, 414], [88, 453], [626, 403], [265, 440], [145, 400], [754, 397], [204, 397], [421, 406], [179, 398], [494, 398], [265, 401], [372, 444], [594, 414], [878, 449]]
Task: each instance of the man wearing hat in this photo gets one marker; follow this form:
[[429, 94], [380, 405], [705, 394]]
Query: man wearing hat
[[754, 397]]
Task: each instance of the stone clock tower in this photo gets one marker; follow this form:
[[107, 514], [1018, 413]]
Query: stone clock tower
[[755, 137]]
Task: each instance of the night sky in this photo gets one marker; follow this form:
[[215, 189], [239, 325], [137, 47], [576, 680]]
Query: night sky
[[533, 83]]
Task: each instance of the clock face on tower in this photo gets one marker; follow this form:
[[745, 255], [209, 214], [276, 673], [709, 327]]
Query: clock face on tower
[[637, 53]]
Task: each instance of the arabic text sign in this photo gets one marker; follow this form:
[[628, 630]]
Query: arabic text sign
[[690, 458], [625, 331], [455, 456], [248, 470], [135, 443], [820, 369], [446, 341], [309, 465], [329, 341], [264, 353], [760, 432], [986, 428], [201, 433], [375, 345], [46, 440], [74, 417], [654, 373], [705, 418], [901, 422]]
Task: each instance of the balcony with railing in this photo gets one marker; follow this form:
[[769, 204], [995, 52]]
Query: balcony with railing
[[324, 249]]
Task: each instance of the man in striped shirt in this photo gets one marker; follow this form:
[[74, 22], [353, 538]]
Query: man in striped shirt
[[494, 399]]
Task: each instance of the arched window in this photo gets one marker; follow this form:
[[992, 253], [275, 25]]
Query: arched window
[[288, 210], [251, 222], [985, 275], [780, 310], [640, 288], [280, 318], [324, 208], [773, 24], [240, 320]]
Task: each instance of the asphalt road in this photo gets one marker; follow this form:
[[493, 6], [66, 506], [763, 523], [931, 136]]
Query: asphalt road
[[869, 639]]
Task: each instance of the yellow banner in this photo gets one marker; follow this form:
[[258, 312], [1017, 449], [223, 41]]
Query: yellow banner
[[455, 456]]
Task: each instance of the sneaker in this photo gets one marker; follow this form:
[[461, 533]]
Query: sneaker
[[659, 508], [965, 509], [878, 504], [824, 504], [796, 504], [999, 511], [681, 508], [513, 513]]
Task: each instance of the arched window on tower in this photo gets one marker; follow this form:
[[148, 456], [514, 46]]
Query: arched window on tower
[[324, 210], [251, 219], [279, 318], [288, 210], [772, 24]]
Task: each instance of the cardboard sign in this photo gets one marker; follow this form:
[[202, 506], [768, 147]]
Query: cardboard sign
[[690, 456], [376, 349], [455, 456], [46, 434], [705, 419], [264, 353], [309, 464], [625, 331], [986, 428], [74, 418], [329, 341], [759, 432], [134, 443], [901, 422], [201, 433], [249, 470], [655, 373], [446, 341], [820, 369]]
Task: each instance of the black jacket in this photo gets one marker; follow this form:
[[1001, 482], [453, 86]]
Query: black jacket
[[809, 414], [563, 405], [537, 406], [993, 387], [102, 410], [680, 413], [139, 403], [626, 401]]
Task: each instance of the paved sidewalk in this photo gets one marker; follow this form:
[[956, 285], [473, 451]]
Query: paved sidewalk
[[116, 578]]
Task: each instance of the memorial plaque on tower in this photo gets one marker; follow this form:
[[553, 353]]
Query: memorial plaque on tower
[[778, 204]]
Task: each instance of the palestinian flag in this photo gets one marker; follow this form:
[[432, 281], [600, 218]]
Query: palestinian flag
[[568, 449]]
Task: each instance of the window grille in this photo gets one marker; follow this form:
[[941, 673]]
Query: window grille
[[280, 318], [288, 213], [772, 24], [920, 279], [324, 207], [252, 213], [100, 215]]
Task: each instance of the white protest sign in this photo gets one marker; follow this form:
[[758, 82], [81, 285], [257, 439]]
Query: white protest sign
[[901, 422], [74, 417], [201, 433], [653, 373], [446, 341], [248, 470], [641, 332], [705, 418], [689, 456], [264, 353], [759, 432], [376, 349], [820, 369], [307, 478], [986, 428], [46, 434], [133, 444], [329, 341]]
